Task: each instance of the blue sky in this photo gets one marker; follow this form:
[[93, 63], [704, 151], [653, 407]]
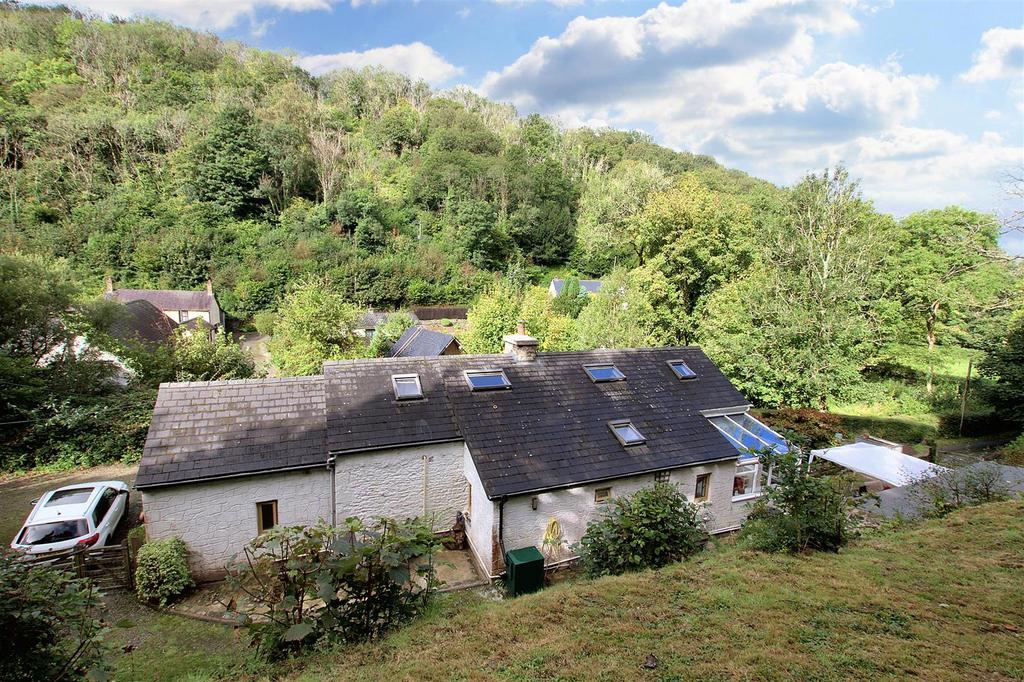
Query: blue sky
[[924, 101]]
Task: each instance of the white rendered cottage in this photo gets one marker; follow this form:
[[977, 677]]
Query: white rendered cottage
[[511, 442]]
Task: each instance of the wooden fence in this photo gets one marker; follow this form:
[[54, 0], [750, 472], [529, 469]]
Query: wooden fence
[[438, 312], [108, 568]]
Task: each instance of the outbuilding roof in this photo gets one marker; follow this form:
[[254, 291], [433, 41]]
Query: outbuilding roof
[[142, 321], [166, 299], [549, 430], [419, 342]]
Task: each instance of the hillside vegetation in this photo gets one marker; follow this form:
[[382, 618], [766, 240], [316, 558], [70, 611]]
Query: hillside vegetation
[[163, 157], [942, 600]]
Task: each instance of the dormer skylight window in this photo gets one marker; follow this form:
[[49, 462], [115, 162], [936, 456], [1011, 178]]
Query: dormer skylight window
[[487, 380], [407, 386], [681, 369], [627, 433], [601, 373]]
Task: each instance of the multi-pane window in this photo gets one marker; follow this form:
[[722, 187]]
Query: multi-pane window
[[266, 515], [750, 478], [662, 477], [602, 494], [702, 488]]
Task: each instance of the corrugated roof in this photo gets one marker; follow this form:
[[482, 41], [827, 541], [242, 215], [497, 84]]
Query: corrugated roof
[[420, 342]]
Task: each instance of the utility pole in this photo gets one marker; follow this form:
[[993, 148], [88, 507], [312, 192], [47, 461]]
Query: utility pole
[[963, 402]]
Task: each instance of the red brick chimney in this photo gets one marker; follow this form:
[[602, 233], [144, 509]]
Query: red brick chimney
[[209, 286]]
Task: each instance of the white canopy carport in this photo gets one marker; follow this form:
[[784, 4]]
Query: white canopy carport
[[882, 463]]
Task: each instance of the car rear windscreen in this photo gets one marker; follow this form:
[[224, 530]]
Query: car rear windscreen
[[72, 496], [58, 531]]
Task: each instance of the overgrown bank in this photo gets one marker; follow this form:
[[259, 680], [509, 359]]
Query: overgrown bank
[[940, 601]]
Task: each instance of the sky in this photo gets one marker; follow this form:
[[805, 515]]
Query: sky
[[923, 101]]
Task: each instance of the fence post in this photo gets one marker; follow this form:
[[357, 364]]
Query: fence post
[[129, 574], [79, 561]]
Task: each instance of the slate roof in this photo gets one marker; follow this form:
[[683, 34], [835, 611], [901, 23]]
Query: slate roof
[[420, 342], [591, 286], [213, 429], [144, 322], [549, 430], [371, 320], [166, 299]]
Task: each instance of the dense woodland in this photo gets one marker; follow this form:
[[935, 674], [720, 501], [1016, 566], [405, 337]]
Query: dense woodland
[[163, 157]]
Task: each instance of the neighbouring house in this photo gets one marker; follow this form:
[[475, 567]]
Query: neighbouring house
[[180, 306], [587, 286], [366, 326], [417, 342], [504, 443]]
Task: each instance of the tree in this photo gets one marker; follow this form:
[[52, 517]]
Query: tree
[[388, 332], [799, 326], [631, 310], [314, 324], [36, 296], [491, 317], [1004, 365], [571, 300], [607, 230], [50, 620], [651, 528], [200, 356], [946, 271], [225, 165]]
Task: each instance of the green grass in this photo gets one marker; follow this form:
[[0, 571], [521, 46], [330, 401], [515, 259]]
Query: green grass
[[942, 600]]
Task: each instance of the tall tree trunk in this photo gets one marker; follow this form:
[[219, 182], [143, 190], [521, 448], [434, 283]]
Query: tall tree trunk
[[933, 312]]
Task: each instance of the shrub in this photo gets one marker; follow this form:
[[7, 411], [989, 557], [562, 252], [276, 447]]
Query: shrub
[[1013, 452], [161, 572], [49, 624], [650, 528], [370, 579], [952, 489], [805, 426], [799, 511]]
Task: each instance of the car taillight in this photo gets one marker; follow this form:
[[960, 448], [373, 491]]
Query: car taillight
[[89, 540]]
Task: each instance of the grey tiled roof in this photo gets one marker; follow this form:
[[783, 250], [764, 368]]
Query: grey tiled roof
[[420, 342], [371, 320], [212, 429], [142, 321], [166, 299], [590, 286], [550, 430]]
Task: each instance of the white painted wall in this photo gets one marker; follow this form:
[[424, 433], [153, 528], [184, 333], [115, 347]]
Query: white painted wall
[[574, 508], [402, 483], [217, 518], [480, 518]]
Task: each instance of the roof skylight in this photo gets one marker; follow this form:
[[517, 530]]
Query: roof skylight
[[747, 434], [487, 379], [407, 386], [626, 432], [681, 369], [599, 373]]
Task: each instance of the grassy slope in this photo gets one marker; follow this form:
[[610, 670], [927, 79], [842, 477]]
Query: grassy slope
[[941, 601]]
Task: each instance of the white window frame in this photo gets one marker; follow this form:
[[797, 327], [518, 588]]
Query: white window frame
[[470, 373], [619, 376], [688, 377], [758, 486], [395, 378], [618, 423]]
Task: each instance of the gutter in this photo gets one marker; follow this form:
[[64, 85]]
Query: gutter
[[261, 472], [334, 491], [501, 527]]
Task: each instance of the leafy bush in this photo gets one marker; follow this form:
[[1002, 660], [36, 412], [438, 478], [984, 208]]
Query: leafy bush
[[1013, 452], [161, 571], [952, 489], [799, 511], [388, 332], [370, 579], [650, 528], [49, 623], [805, 426]]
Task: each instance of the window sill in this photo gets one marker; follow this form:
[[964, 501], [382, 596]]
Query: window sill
[[747, 496]]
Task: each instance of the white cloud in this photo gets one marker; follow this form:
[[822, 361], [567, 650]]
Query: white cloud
[[1001, 55], [200, 14], [993, 115], [417, 60]]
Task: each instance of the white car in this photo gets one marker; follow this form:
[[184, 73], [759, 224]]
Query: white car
[[79, 515]]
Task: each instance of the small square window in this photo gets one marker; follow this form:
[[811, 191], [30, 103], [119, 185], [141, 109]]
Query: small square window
[[700, 490], [407, 386], [182, 316], [662, 477], [627, 433], [681, 369], [487, 380], [266, 515], [601, 373], [602, 495]]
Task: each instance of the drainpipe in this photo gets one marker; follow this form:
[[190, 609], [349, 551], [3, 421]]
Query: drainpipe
[[501, 526], [334, 491]]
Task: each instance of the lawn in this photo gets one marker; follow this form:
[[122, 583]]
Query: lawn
[[941, 600]]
